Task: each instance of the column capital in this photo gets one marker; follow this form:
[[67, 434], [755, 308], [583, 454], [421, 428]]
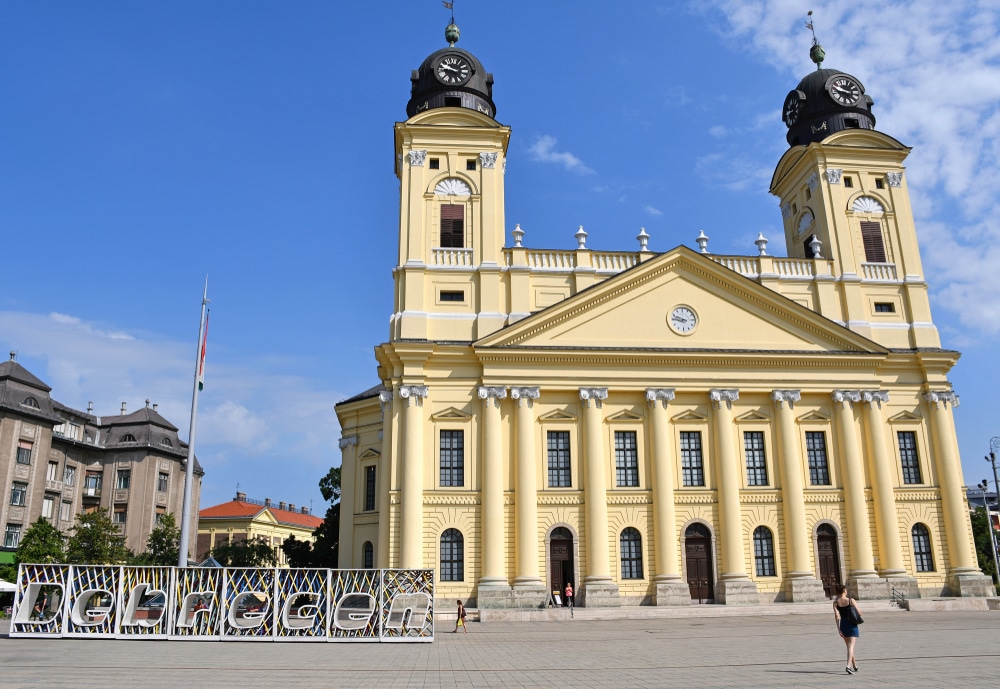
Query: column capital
[[720, 395], [936, 398], [596, 394], [525, 395], [385, 401], [492, 392], [790, 396], [662, 395], [846, 396], [870, 397], [416, 394], [347, 441]]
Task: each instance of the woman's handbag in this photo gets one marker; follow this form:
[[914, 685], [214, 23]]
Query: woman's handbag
[[852, 614]]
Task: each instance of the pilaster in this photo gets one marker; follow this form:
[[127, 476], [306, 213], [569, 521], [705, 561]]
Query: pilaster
[[385, 479], [411, 483], [348, 462]]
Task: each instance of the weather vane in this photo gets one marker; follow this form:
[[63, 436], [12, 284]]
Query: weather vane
[[450, 6], [816, 53]]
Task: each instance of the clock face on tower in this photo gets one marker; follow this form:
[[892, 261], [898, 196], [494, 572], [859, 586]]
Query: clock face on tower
[[683, 319], [453, 69], [843, 89], [790, 112]]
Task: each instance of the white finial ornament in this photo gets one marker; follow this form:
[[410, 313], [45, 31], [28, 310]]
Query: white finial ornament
[[702, 240], [761, 243], [643, 238], [581, 238], [518, 235], [816, 246]]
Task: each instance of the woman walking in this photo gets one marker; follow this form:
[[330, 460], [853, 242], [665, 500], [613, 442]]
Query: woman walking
[[845, 611], [460, 621]]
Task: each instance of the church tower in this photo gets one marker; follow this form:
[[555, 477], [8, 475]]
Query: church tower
[[844, 198], [450, 160]]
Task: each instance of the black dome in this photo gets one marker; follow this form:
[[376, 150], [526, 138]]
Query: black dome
[[811, 112], [465, 84]]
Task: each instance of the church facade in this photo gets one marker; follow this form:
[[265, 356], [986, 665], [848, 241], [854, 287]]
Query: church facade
[[657, 428]]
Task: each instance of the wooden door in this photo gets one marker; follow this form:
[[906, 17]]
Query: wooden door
[[698, 552], [829, 561], [561, 560]]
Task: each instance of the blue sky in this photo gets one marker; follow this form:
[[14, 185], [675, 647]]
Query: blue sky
[[149, 144]]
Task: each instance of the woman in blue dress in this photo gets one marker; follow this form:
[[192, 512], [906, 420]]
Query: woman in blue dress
[[846, 626]]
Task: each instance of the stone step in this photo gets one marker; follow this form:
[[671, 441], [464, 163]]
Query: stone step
[[952, 604]]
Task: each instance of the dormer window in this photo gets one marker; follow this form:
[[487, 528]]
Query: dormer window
[[129, 438], [452, 226], [166, 442], [31, 402]]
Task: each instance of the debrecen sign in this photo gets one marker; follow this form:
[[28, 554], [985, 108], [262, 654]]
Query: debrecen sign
[[121, 602]]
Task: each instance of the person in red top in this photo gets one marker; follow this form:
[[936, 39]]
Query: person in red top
[[568, 593]]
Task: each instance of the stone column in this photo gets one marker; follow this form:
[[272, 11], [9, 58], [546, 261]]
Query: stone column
[[599, 590], [494, 591], [883, 474], [734, 587], [803, 586], [670, 588], [348, 491], [529, 590], [411, 489], [863, 581], [964, 577], [384, 480]]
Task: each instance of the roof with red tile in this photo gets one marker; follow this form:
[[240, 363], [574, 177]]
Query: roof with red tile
[[236, 509]]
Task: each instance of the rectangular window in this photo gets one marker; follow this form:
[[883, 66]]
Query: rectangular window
[[123, 479], [161, 512], [452, 226], [908, 456], [69, 475], [369, 487], [66, 512], [434, 164], [753, 445], [120, 514], [18, 493], [470, 164], [92, 482], [48, 507], [559, 460], [12, 536], [626, 459], [871, 236], [162, 482], [452, 458], [52, 474], [879, 184], [692, 467], [885, 307], [24, 452], [452, 295], [848, 182], [819, 469]]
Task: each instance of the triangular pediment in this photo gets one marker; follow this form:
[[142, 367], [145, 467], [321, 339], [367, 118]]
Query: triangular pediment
[[905, 416], [625, 416], [557, 415], [813, 416], [451, 414], [753, 415], [633, 311], [369, 454], [690, 416]]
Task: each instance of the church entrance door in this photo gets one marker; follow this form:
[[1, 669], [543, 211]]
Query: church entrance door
[[829, 560], [561, 560], [698, 556]]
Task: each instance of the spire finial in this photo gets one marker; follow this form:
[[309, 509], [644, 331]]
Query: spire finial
[[816, 52], [451, 32]]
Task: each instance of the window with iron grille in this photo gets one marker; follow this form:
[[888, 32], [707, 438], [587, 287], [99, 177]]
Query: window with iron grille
[[819, 468], [24, 452], [692, 468], [871, 236], [452, 458], [12, 536], [626, 459], [370, 487], [18, 493], [368, 555], [753, 445], [763, 552], [908, 456], [922, 548], [559, 460], [123, 479], [631, 549], [452, 556], [452, 226]]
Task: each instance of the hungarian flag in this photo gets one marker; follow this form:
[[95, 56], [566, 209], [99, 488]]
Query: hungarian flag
[[201, 357]]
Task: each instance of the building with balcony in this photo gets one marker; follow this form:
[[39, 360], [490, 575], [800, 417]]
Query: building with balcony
[[57, 462]]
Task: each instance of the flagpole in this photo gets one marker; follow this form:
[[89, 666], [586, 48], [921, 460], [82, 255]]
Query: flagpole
[[182, 555]]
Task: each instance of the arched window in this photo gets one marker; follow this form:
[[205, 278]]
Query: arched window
[[763, 552], [697, 530], [452, 556], [166, 442], [128, 438], [31, 402], [631, 549], [368, 553], [922, 548]]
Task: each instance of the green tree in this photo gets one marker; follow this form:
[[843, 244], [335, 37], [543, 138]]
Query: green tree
[[253, 552], [325, 550], [41, 544], [163, 545], [96, 541], [329, 485], [984, 546]]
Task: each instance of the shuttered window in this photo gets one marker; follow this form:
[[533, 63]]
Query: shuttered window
[[452, 226], [871, 235]]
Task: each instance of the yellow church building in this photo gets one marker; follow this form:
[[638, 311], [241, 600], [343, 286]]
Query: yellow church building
[[657, 428]]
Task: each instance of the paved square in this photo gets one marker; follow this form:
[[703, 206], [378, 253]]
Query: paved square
[[897, 649]]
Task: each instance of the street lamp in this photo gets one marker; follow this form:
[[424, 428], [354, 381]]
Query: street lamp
[[983, 487], [992, 459]]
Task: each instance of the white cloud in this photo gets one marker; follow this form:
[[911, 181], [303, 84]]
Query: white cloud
[[736, 172], [652, 211], [935, 79], [718, 131], [543, 151]]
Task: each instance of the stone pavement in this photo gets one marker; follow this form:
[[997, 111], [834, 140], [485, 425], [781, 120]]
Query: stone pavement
[[896, 649]]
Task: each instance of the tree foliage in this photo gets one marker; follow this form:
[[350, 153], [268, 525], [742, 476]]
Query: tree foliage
[[324, 551], [984, 546], [253, 552], [42, 543], [329, 485], [163, 544], [96, 540]]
